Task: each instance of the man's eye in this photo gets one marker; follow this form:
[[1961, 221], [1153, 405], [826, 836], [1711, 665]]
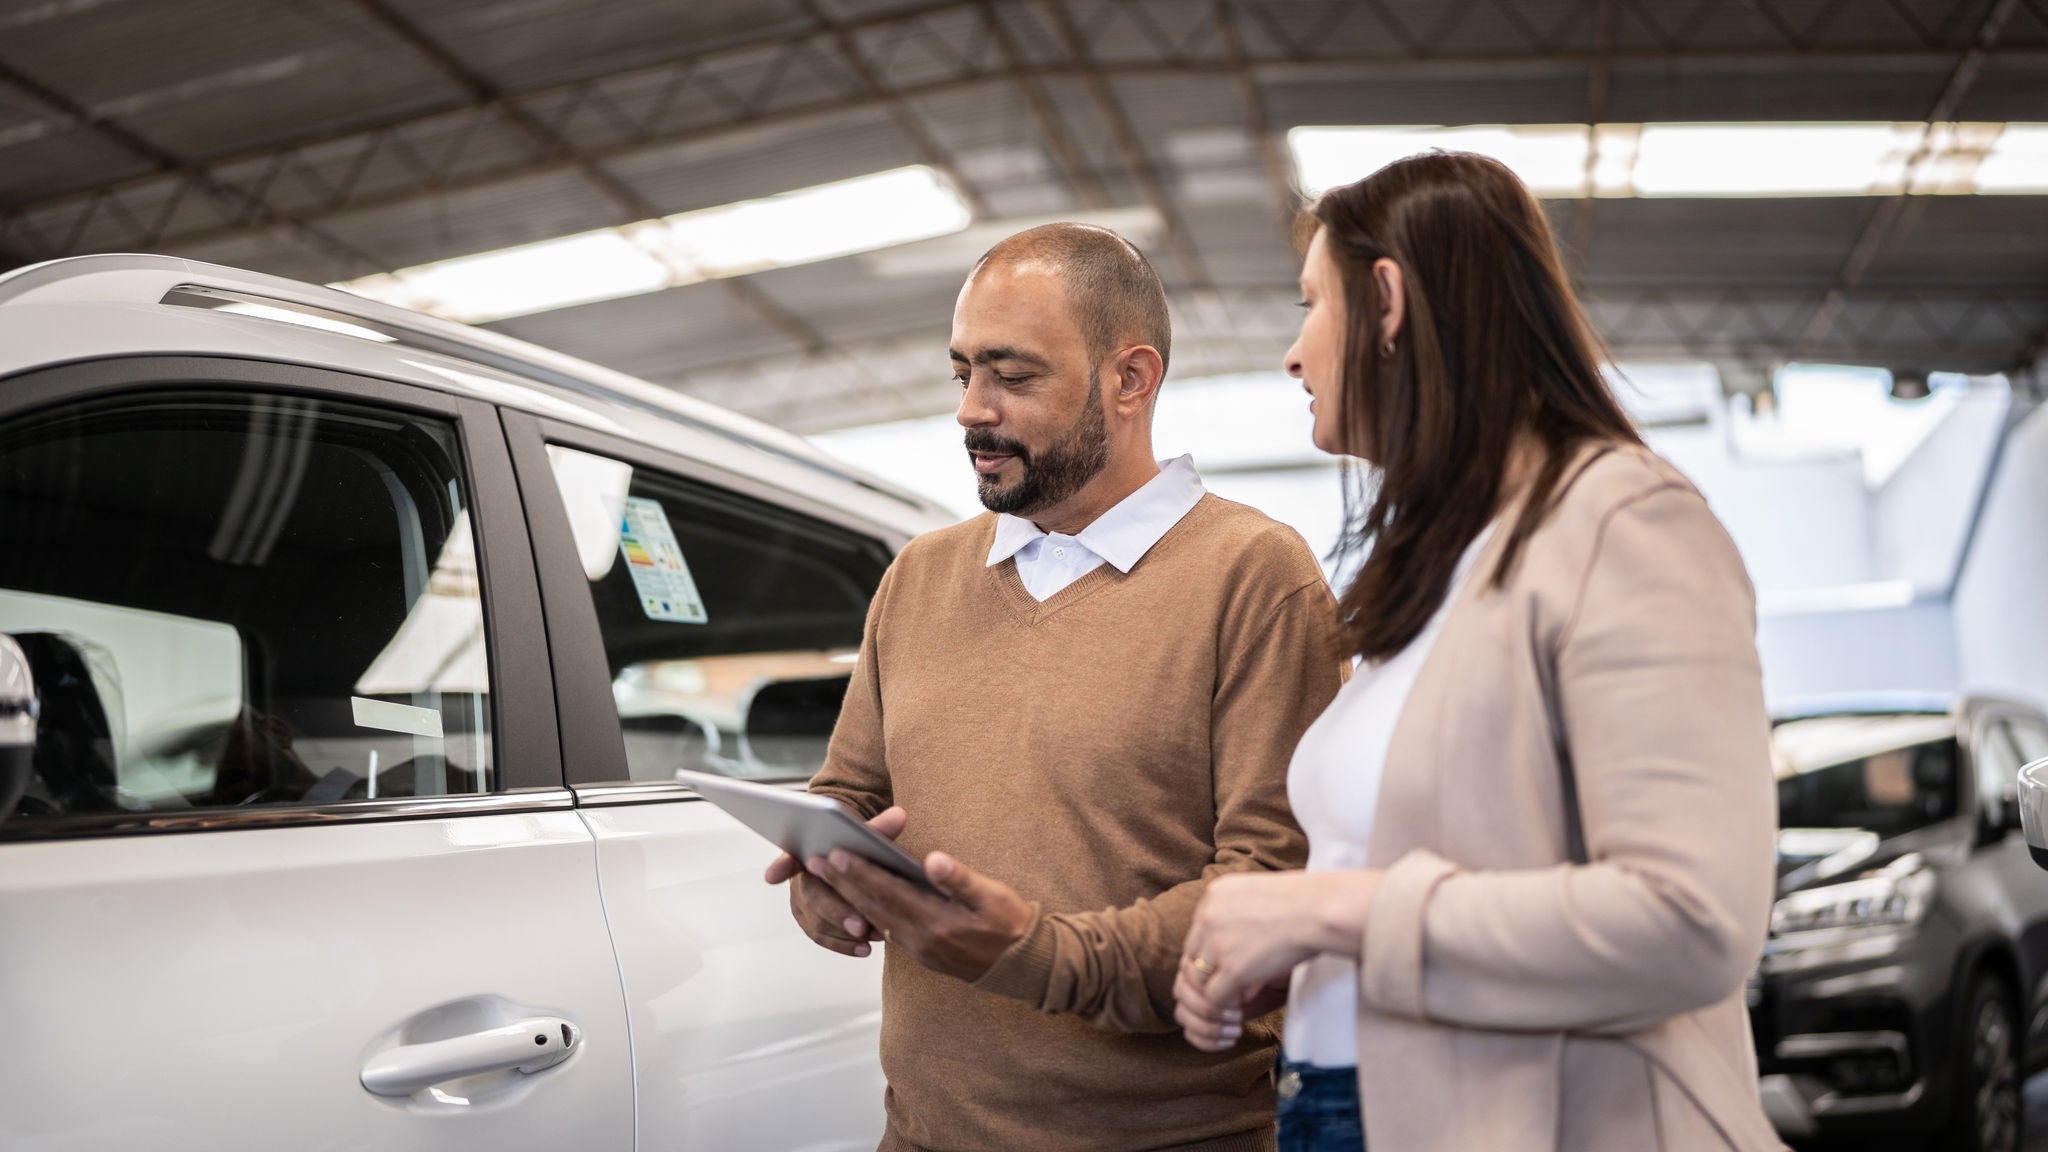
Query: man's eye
[[1012, 381], [960, 378]]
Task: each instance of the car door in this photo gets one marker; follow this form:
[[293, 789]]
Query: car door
[[297, 868], [700, 620]]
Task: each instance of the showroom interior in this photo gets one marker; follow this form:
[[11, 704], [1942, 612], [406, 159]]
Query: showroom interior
[[1812, 234]]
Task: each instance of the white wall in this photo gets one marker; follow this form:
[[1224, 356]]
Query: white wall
[[1921, 513], [1838, 520], [2001, 602], [1809, 654]]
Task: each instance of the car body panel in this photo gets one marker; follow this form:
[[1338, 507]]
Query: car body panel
[[227, 987], [215, 989], [737, 1016]]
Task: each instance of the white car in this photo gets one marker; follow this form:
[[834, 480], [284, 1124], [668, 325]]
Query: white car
[[364, 647]]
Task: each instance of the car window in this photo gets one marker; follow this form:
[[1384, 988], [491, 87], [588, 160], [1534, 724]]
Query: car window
[[1998, 767], [730, 625], [233, 599], [2029, 737], [1888, 774]]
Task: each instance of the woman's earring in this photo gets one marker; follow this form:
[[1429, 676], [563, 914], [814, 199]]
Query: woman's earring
[[1387, 348]]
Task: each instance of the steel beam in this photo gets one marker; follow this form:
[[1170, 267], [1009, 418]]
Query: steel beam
[[250, 208], [1273, 161], [1131, 149], [551, 145], [339, 159], [900, 112], [1068, 158], [1885, 220], [1599, 81]]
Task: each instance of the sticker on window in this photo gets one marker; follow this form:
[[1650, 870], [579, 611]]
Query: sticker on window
[[660, 575]]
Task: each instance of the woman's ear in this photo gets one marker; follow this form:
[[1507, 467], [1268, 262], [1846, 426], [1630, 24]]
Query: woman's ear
[[1393, 298]]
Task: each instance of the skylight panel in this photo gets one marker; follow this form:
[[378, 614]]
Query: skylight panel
[[1550, 158], [1706, 160]]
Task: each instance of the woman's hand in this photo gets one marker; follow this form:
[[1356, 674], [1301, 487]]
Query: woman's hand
[[1214, 1027], [1248, 934]]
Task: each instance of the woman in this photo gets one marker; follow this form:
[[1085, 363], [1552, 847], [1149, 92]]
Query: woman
[[1541, 814]]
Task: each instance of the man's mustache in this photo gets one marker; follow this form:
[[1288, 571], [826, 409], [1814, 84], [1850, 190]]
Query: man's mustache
[[983, 440]]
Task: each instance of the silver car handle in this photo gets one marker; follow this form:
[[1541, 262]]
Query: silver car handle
[[528, 1045]]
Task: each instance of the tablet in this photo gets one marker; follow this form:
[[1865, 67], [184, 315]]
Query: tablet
[[803, 825]]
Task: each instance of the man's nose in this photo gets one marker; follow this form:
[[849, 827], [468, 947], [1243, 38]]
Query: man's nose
[[976, 410]]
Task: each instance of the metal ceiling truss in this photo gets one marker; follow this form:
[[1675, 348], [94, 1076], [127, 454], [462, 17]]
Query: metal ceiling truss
[[1892, 216], [1944, 328], [548, 141], [1961, 328], [494, 135], [317, 188]]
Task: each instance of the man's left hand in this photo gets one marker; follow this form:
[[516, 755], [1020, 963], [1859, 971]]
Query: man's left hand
[[961, 934]]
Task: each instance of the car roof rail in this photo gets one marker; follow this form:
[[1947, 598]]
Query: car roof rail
[[142, 278]]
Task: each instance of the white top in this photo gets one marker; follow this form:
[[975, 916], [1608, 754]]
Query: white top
[[1049, 561], [1333, 785]]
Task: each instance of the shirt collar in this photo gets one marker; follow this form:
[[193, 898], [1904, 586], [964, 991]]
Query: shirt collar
[[1127, 531]]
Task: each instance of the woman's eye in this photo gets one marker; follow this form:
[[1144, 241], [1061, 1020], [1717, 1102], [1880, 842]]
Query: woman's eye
[[1302, 304]]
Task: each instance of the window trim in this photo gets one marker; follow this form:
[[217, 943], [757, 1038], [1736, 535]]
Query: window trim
[[525, 747], [100, 824], [593, 741]]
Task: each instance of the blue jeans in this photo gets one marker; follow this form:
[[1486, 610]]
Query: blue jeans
[[1319, 1109]]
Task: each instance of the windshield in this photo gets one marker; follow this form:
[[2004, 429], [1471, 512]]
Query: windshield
[[1889, 774]]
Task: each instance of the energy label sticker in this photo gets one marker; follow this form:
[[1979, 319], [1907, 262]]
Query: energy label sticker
[[660, 575]]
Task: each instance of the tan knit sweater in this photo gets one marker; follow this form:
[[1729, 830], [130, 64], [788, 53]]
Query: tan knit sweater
[[1106, 752]]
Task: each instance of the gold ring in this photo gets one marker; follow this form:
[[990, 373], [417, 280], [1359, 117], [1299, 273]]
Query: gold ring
[[1203, 966]]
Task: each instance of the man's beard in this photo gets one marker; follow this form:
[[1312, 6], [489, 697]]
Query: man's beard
[[1052, 475]]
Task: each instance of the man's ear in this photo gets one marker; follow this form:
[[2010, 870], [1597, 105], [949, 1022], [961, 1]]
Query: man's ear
[[1138, 373]]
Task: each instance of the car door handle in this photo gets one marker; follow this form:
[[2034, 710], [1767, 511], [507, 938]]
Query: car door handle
[[528, 1045]]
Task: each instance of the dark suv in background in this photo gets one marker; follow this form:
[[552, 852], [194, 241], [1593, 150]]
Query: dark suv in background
[[1900, 1001]]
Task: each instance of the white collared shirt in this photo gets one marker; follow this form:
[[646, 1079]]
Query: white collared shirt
[[1049, 561]]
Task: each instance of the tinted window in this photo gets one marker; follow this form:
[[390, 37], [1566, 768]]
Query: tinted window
[[1998, 768], [1889, 774], [2029, 737], [232, 599], [730, 625]]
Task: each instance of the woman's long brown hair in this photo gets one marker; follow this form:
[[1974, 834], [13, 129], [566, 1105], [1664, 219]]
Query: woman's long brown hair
[[1492, 345]]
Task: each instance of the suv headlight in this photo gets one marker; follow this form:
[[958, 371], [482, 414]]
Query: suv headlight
[[1858, 919]]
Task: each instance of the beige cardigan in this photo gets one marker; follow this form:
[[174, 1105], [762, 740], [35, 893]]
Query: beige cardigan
[[1509, 999]]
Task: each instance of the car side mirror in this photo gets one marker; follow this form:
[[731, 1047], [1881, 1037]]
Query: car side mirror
[[2033, 808], [18, 708]]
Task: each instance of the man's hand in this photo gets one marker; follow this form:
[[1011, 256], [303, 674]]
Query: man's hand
[[823, 914], [961, 934]]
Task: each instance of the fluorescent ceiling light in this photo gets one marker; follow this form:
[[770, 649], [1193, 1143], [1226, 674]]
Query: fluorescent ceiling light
[[2019, 161], [800, 227], [1550, 158], [1699, 160], [1775, 159]]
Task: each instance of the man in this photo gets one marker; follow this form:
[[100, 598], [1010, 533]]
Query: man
[[1091, 693]]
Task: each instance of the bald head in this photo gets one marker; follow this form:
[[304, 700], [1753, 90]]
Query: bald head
[[1115, 295]]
